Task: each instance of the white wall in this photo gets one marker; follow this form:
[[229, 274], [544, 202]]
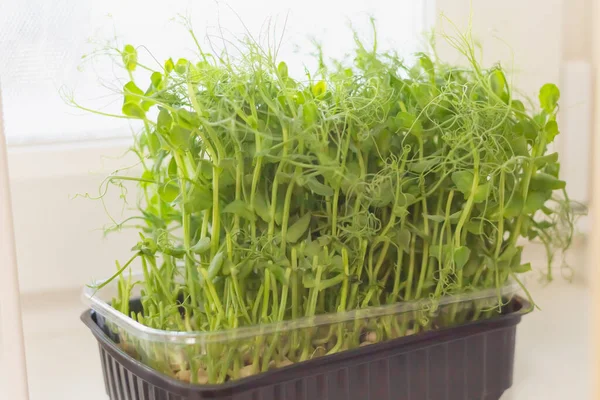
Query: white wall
[[59, 239]]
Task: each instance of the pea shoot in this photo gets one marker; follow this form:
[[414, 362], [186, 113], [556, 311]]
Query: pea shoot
[[265, 198]]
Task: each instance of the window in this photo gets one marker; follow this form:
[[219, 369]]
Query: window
[[56, 151], [42, 42]]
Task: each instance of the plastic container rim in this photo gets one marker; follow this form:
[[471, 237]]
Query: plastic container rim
[[140, 331]]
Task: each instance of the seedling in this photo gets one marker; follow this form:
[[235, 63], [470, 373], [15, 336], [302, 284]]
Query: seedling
[[266, 198]]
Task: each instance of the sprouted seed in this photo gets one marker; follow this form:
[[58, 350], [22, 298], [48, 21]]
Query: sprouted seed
[[266, 198]]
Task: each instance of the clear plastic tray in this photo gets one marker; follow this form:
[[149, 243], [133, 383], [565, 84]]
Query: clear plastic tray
[[216, 357]]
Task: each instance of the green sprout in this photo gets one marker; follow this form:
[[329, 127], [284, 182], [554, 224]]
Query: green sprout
[[265, 199]]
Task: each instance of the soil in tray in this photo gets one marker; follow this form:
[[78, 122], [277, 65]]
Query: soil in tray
[[235, 358]]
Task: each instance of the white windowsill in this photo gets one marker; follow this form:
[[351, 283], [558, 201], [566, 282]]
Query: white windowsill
[[77, 158]]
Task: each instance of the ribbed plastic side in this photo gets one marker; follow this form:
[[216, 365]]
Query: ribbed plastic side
[[472, 362]]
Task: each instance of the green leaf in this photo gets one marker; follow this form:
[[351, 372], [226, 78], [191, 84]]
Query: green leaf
[[422, 93], [547, 210], [534, 202], [308, 280], [261, 207], [527, 129], [199, 200], [447, 252], [180, 137], [461, 256], [312, 249], [241, 209], [133, 110], [156, 78], [409, 122], [202, 246], [540, 162], [436, 218], [309, 113], [551, 131], [403, 239], [153, 142], [405, 199], [169, 66], [518, 106], [298, 228], [427, 65], [475, 227], [472, 267], [549, 96], [244, 269], [164, 121], [481, 193], [172, 168], [423, 165], [463, 181], [522, 268], [215, 265], [299, 98], [544, 182], [382, 194], [519, 146], [148, 175], [453, 218], [508, 254], [168, 192], [282, 70], [318, 188], [228, 267], [498, 84], [177, 252], [130, 57], [514, 206], [543, 225], [132, 93], [383, 142], [319, 88], [400, 211], [187, 119], [182, 66], [553, 169]]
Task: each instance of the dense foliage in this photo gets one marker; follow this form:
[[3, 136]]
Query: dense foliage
[[267, 198]]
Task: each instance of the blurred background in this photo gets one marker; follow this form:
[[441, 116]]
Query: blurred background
[[57, 152]]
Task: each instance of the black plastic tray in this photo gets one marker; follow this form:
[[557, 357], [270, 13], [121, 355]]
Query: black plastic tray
[[473, 361]]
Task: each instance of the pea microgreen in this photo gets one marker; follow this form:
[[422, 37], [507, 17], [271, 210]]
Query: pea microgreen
[[266, 198]]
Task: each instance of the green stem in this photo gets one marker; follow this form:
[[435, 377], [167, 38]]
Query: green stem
[[216, 216], [537, 150], [295, 297], [443, 269], [187, 235], [275, 187], [360, 263], [425, 213], [411, 259]]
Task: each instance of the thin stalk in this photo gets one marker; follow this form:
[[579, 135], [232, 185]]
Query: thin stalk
[[216, 216], [411, 259]]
